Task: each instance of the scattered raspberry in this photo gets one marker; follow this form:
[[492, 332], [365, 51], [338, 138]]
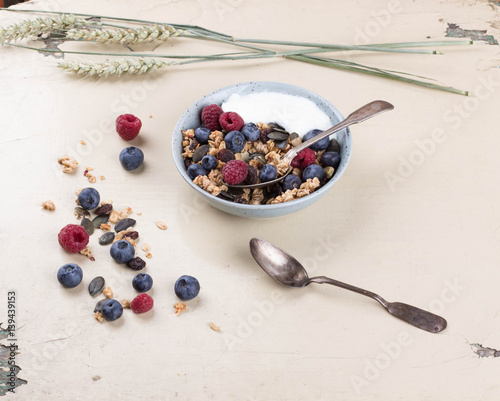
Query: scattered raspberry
[[128, 126], [234, 172], [231, 121], [142, 303], [224, 155], [210, 117], [305, 158], [252, 176], [73, 238]]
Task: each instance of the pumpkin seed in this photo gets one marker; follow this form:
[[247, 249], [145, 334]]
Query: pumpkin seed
[[259, 157], [277, 127], [81, 211], [98, 220], [245, 156], [124, 224], [98, 306], [294, 135], [200, 152], [333, 146], [96, 286], [227, 195], [87, 224], [329, 172], [277, 136], [281, 144], [106, 238]]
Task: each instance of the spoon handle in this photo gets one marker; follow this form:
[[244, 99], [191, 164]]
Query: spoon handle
[[410, 314], [363, 113]]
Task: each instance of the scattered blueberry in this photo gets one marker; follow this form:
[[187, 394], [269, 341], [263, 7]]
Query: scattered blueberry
[[321, 145], [131, 158], [313, 171], [209, 162], [186, 288], [70, 275], [331, 159], [267, 173], [111, 310], [291, 181], [251, 132], [89, 198], [201, 134], [122, 251], [142, 282], [194, 170], [235, 141]]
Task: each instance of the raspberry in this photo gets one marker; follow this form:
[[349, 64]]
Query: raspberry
[[73, 238], [234, 172], [231, 121], [210, 117], [305, 158], [142, 303], [128, 126], [225, 155]]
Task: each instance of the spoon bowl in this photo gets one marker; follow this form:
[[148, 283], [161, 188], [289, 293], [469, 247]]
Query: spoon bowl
[[287, 270]]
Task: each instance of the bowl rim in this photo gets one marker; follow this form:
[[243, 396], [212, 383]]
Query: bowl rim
[[224, 203]]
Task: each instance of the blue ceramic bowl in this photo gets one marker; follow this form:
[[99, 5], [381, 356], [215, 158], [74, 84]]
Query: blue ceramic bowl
[[192, 119]]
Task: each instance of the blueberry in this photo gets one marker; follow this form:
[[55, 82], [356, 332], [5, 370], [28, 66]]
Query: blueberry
[[70, 275], [194, 170], [267, 173], [186, 288], [330, 159], [235, 141], [201, 134], [313, 171], [251, 132], [131, 158], [291, 181], [111, 310], [89, 198], [142, 282], [321, 145], [209, 162], [122, 251]]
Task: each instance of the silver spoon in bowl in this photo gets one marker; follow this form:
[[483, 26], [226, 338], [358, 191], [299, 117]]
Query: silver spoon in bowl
[[286, 270], [363, 113]]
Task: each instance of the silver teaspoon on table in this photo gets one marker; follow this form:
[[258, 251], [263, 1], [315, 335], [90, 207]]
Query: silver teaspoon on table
[[286, 270], [363, 113]]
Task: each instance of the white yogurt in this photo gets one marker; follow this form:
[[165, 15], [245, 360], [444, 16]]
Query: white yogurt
[[293, 113]]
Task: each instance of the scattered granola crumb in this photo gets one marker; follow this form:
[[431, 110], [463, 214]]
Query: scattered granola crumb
[[82, 142], [179, 307], [49, 205], [125, 303], [98, 317], [89, 168], [108, 201], [105, 227], [148, 255], [146, 247], [139, 213], [113, 217], [108, 292], [91, 178], [102, 178], [161, 225], [214, 327], [150, 116], [132, 241], [88, 253], [68, 165]]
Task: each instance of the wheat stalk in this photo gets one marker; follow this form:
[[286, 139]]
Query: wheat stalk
[[143, 34], [116, 67], [40, 26]]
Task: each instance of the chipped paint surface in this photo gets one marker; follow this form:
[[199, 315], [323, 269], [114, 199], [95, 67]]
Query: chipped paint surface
[[8, 372], [484, 352], [454, 31]]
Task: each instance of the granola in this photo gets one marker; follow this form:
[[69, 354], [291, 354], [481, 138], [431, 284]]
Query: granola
[[88, 253], [68, 165], [49, 205], [125, 303], [108, 292], [161, 225], [305, 189], [98, 317], [179, 307], [214, 327]]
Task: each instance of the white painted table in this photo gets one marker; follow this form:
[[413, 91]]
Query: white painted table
[[415, 218]]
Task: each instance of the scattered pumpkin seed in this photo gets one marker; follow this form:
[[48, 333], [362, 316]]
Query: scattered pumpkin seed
[[98, 220], [87, 224], [277, 136], [107, 238], [96, 286], [81, 211], [200, 152], [329, 172], [124, 224], [98, 306]]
